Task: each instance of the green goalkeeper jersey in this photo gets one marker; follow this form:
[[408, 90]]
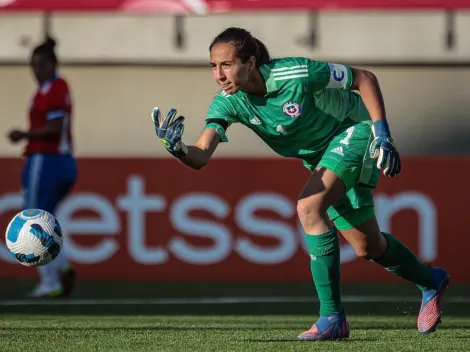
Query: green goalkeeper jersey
[[307, 104]]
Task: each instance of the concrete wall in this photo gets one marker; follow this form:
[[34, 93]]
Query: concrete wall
[[428, 106], [345, 36]]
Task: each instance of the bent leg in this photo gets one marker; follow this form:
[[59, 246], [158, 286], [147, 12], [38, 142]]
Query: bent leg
[[387, 251], [323, 189]]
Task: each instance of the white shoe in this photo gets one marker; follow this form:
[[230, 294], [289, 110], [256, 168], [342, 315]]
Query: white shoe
[[46, 291]]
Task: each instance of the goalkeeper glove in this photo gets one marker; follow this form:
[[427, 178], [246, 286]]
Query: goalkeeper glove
[[383, 148], [169, 131]]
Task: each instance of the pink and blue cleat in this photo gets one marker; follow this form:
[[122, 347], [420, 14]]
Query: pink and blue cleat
[[430, 312], [332, 327]]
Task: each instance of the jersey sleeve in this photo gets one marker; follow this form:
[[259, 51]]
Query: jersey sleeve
[[220, 116], [57, 100], [323, 75]]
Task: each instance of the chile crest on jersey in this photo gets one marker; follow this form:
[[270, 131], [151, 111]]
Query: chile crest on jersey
[[292, 109]]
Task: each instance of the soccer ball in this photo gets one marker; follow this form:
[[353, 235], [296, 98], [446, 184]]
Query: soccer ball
[[34, 237]]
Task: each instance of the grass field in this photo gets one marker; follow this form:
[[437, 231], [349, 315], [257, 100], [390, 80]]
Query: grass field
[[222, 317], [220, 333]]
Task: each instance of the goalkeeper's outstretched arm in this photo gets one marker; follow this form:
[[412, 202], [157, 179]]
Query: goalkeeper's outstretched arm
[[170, 132], [199, 154]]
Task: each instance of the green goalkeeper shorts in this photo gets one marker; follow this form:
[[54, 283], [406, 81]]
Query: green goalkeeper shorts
[[347, 156]]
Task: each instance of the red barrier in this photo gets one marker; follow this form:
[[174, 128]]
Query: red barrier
[[204, 6], [155, 219]]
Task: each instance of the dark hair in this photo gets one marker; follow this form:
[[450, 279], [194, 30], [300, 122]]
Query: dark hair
[[47, 49], [245, 44]]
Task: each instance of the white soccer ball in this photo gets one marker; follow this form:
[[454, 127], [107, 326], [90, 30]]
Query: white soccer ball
[[34, 237]]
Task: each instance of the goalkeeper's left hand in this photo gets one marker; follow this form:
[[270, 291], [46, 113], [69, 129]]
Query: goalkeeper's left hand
[[383, 148], [170, 131]]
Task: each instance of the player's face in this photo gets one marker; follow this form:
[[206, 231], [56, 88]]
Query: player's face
[[42, 67], [227, 68]]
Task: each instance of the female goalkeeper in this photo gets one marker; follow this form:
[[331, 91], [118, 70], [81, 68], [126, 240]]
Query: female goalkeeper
[[307, 110]]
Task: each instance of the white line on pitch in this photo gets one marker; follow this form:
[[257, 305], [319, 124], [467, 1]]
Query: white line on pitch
[[216, 300]]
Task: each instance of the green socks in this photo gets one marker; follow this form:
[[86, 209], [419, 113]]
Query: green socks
[[325, 268], [402, 262]]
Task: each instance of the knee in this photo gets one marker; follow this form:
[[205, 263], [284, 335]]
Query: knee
[[362, 250], [309, 212], [306, 208]]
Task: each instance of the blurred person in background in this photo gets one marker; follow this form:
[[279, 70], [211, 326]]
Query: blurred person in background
[[308, 110], [50, 170]]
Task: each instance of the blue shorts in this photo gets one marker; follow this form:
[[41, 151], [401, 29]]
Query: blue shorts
[[47, 179]]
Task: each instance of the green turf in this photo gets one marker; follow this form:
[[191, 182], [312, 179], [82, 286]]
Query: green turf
[[217, 333]]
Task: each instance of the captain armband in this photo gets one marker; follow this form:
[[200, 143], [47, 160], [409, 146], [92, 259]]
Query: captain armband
[[340, 76]]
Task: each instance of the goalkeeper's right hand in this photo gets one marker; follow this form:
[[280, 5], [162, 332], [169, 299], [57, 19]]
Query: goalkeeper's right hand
[[170, 131]]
